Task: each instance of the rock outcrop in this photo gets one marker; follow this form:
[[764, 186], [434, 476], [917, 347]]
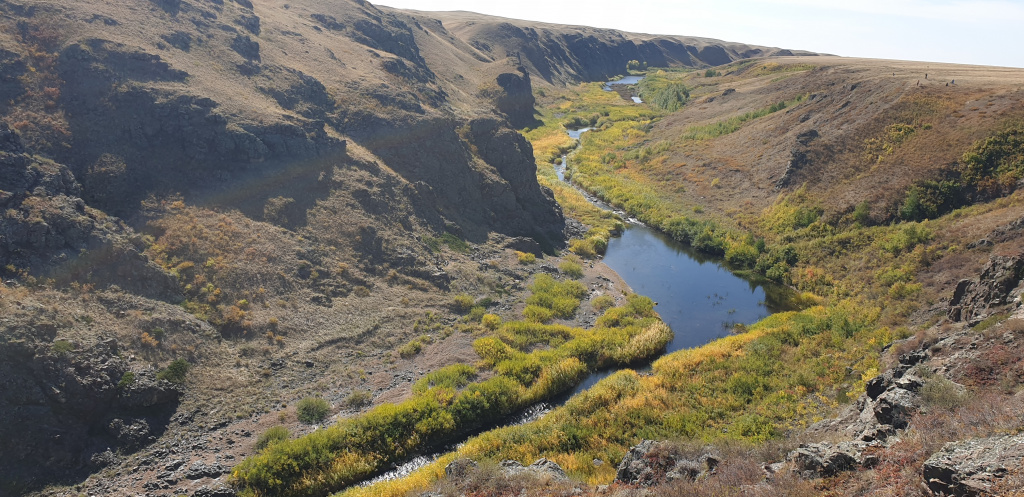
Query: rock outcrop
[[516, 101], [542, 467], [973, 467], [651, 463], [70, 407], [822, 460], [998, 285], [888, 403], [48, 231]]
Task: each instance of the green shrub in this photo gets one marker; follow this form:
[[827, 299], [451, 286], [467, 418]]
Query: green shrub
[[452, 377], [411, 348], [602, 302], [571, 269], [62, 347], [561, 298], [906, 238], [996, 161], [312, 410], [537, 314], [490, 321], [862, 213], [942, 393], [525, 257], [451, 241], [462, 303], [929, 199], [742, 255], [663, 93], [126, 380], [175, 372], [358, 399], [476, 313], [273, 435]]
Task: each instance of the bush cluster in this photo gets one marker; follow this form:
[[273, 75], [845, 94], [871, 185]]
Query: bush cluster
[[312, 410], [175, 372]]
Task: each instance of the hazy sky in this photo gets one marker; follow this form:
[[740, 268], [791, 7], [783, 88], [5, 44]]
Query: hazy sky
[[987, 32]]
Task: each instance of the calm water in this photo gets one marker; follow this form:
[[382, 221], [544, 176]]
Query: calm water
[[628, 80], [698, 297]]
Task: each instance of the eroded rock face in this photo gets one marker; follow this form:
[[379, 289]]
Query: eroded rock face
[[46, 229], [70, 408], [997, 285], [517, 101], [973, 467], [168, 140], [651, 463]]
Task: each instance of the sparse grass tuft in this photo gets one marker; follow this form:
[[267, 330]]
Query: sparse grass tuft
[[273, 435]]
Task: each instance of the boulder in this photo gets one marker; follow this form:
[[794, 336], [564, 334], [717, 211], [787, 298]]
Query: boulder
[[824, 459], [973, 467], [651, 463], [460, 468], [540, 467], [895, 407]]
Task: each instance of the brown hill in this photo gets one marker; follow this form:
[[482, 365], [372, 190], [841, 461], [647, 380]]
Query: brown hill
[[840, 139]]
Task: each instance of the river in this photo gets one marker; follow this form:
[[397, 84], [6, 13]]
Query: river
[[697, 296]]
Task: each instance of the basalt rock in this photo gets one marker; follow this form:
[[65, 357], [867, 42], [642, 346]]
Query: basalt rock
[[973, 467], [998, 283], [822, 460], [651, 463], [48, 231], [516, 101], [66, 408]]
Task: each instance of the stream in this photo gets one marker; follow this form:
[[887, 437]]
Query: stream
[[697, 296]]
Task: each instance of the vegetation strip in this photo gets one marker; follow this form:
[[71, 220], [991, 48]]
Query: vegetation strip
[[532, 361]]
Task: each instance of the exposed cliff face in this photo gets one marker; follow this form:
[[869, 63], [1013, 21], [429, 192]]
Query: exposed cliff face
[[516, 99], [48, 231], [68, 409]]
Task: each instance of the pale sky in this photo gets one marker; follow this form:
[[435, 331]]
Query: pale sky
[[985, 32]]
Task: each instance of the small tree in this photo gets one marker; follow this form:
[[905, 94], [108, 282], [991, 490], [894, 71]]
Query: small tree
[[636, 65], [175, 371]]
